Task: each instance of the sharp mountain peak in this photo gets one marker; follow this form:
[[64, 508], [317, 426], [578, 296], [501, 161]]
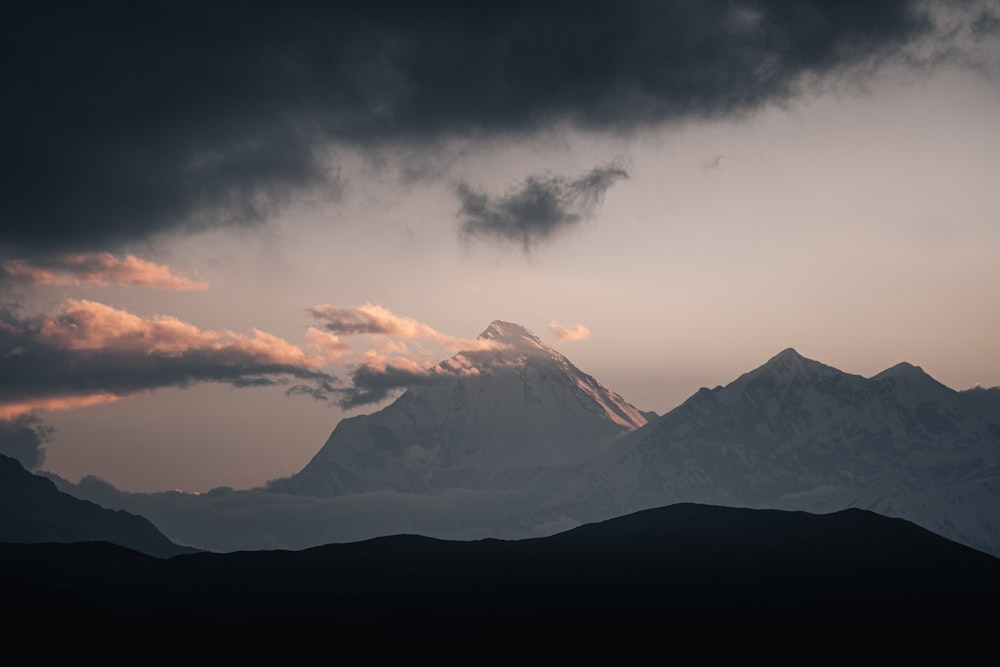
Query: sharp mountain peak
[[507, 331], [901, 370], [790, 361], [517, 339]]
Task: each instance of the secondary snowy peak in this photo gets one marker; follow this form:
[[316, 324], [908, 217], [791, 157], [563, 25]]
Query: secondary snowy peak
[[797, 434], [912, 385], [787, 370], [790, 364], [901, 370]]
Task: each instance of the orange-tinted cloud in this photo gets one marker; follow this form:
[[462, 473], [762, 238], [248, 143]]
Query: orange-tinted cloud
[[329, 343], [398, 359], [373, 319], [89, 325], [96, 268], [13, 409], [569, 332], [89, 353]]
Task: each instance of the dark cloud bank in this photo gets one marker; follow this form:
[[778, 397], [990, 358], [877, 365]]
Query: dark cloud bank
[[122, 119]]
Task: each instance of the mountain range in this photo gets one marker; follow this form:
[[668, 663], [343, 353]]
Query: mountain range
[[793, 433], [512, 440]]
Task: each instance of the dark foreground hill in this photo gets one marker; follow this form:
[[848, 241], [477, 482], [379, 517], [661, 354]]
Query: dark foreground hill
[[685, 579], [32, 509]]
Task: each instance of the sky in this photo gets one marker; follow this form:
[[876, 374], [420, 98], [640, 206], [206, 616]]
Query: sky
[[224, 229]]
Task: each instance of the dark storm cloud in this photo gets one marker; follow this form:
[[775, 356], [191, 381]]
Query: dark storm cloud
[[540, 208], [91, 353], [22, 438], [122, 120], [986, 23]]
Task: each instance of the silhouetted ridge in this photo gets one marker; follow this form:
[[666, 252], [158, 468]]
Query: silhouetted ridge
[[677, 568], [33, 510]]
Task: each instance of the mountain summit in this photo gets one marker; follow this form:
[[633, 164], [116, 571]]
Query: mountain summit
[[522, 409], [516, 338]]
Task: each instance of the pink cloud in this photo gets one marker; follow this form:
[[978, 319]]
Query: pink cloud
[[330, 344], [96, 268], [569, 332], [373, 319], [89, 353], [89, 325], [13, 409]]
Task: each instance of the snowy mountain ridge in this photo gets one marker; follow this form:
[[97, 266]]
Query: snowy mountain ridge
[[793, 433], [529, 445], [797, 434]]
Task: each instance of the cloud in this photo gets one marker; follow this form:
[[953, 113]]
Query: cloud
[[986, 23], [373, 319], [540, 208], [89, 353], [331, 345], [369, 319], [132, 121], [95, 268], [714, 162], [393, 365], [371, 383], [379, 377], [569, 332], [22, 438]]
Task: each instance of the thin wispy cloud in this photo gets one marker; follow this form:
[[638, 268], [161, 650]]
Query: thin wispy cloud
[[375, 320], [95, 268], [714, 162], [89, 353], [568, 332], [539, 209]]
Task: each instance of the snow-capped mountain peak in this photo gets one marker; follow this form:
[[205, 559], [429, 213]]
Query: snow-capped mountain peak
[[789, 362], [912, 385], [525, 409], [514, 340]]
